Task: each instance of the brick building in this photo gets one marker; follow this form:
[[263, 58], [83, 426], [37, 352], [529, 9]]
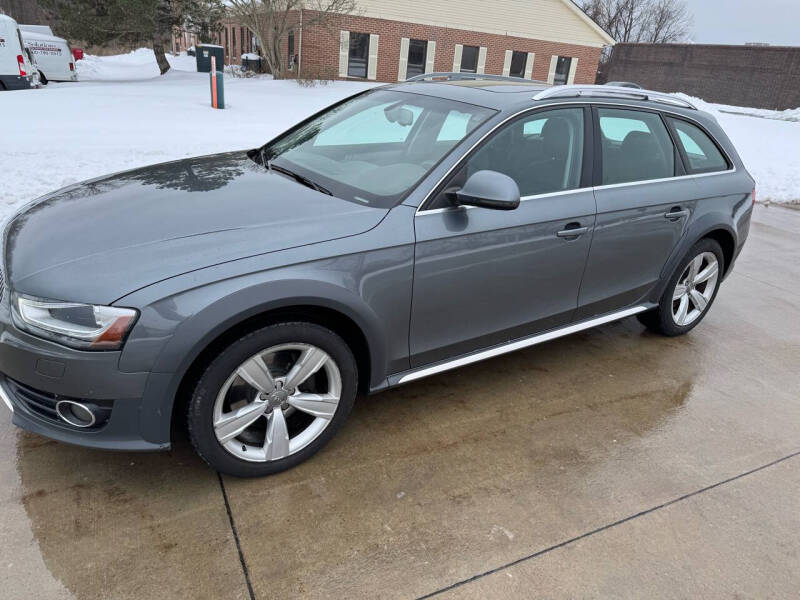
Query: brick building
[[757, 76], [548, 40], [234, 38]]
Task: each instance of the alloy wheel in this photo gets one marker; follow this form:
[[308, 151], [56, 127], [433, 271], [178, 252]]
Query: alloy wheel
[[695, 288], [277, 402]]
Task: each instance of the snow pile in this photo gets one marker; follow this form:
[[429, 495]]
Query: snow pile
[[123, 115], [139, 64], [768, 142]]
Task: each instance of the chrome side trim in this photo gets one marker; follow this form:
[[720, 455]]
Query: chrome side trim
[[4, 397], [519, 344], [585, 100], [434, 211], [664, 179]]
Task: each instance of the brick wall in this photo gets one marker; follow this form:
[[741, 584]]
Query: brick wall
[[321, 48], [762, 77]]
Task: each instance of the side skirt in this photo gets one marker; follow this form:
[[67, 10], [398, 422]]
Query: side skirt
[[511, 346]]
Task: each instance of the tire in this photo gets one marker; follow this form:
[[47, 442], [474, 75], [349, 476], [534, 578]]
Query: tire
[[295, 422], [666, 319], [42, 79]]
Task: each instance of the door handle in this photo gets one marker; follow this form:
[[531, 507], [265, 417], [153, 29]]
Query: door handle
[[674, 215], [572, 231]]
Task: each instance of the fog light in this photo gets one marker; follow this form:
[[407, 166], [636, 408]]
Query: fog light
[[75, 413]]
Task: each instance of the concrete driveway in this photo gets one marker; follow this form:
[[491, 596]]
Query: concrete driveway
[[613, 463]]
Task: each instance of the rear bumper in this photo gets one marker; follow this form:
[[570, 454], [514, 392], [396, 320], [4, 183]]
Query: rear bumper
[[15, 82], [35, 374]]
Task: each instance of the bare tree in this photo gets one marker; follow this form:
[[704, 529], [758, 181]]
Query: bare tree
[[667, 21], [650, 21], [271, 20]]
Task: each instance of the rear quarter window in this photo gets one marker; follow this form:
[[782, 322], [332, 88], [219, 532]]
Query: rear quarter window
[[702, 154]]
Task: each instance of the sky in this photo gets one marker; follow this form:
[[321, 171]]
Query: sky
[[741, 21]]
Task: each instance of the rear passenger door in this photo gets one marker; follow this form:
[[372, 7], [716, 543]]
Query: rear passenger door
[[483, 277], [643, 207]]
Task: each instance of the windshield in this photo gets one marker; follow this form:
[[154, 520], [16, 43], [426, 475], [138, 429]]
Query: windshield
[[376, 147]]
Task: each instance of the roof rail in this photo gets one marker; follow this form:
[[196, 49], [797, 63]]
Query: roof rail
[[452, 76], [608, 91]]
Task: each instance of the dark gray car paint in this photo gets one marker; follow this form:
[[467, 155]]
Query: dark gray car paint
[[198, 212], [484, 276], [195, 272]]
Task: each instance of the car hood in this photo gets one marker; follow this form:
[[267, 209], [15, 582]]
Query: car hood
[[102, 239]]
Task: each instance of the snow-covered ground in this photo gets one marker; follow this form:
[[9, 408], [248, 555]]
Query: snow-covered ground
[[121, 115]]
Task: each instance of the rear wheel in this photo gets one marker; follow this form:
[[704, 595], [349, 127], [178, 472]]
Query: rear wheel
[[42, 78], [690, 292], [272, 399]]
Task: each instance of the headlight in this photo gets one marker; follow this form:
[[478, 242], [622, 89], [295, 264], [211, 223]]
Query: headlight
[[81, 326]]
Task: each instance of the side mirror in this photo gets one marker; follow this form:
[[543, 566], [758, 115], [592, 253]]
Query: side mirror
[[489, 189]]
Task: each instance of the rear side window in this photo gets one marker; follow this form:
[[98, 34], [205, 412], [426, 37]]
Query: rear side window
[[702, 153], [635, 146]]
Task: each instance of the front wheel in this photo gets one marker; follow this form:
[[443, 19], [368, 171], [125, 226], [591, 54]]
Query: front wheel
[[272, 399], [690, 292]]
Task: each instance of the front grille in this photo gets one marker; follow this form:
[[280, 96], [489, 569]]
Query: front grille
[[43, 404]]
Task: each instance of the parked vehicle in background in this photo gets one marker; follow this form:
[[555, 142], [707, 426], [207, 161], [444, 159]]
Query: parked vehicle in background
[[53, 56], [400, 233], [625, 84], [77, 54], [15, 68]]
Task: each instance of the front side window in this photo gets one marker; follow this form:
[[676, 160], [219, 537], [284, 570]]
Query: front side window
[[702, 153], [542, 152], [374, 148], [417, 53], [518, 60], [635, 146], [359, 55], [469, 59], [563, 65]]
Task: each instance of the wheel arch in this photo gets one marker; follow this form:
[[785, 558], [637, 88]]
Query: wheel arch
[[202, 335], [713, 227]]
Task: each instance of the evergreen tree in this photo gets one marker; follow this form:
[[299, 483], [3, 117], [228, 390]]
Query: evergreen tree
[[132, 21]]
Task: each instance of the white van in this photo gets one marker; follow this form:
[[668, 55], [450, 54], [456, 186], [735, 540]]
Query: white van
[[15, 68], [53, 56]]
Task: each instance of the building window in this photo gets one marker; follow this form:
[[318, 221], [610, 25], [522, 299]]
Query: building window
[[290, 53], [417, 53], [233, 42], [469, 59], [518, 60], [358, 55], [227, 49], [562, 70]]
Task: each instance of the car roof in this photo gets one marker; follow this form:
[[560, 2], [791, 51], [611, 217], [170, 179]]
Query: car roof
[[513, 94]]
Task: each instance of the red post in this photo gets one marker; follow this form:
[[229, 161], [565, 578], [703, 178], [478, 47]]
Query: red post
[[214, 82]]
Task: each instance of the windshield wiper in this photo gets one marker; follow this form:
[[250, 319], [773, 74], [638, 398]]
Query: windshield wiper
[[298, 178]]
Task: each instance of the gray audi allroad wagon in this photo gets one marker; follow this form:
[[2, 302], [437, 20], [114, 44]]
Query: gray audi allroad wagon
[[404, 231]]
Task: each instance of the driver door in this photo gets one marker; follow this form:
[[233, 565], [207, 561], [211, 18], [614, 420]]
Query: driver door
[[482, 276]]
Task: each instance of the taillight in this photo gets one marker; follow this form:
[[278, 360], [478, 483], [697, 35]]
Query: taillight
[[21, 64], [71, 66], [754, 197]]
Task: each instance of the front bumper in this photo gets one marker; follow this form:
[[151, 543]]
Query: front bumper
[[32, 368]]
